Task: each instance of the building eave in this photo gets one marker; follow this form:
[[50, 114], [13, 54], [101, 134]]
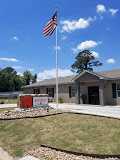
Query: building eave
[[92, 73], [33, 86]]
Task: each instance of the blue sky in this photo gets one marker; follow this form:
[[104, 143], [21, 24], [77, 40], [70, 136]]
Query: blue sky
[[83, 24]]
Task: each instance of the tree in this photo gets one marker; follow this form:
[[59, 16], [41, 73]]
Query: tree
[[9, 80], [85, 60], [27, 77], [18, 82], [34, 79]]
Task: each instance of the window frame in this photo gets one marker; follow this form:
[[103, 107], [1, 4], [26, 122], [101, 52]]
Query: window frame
[[36, 90], [52, 94], [118, 89], [72, 91]]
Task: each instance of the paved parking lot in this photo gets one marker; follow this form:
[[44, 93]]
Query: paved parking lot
[[108, 111]]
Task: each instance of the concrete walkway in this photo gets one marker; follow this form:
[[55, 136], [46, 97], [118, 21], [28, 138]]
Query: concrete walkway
[[3, 106], [5, 156], [29, 158], [108, 111]]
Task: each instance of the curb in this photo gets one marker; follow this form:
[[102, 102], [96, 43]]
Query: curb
[[47, 115]]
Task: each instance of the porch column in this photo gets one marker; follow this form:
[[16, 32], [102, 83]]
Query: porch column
[[101, 93], [78, 92]]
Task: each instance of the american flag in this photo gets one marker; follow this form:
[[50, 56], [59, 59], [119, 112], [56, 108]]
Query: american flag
[[50, 26]]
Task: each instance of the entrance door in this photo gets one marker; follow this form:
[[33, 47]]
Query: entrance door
[[93, 95]]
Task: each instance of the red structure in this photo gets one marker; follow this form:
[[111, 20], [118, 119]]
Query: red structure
[[26, 101]]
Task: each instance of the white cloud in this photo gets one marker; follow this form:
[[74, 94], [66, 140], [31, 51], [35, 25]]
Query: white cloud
[[95, 54], [15, 38], [31, 69], [86, 45], [100, 8], [111, 61], [19, 73], [113, 11], [8, 59], [72, 25], [47, 74], [57, 48]]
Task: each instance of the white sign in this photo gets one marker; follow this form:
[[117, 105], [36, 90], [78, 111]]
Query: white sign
[[38, 101]]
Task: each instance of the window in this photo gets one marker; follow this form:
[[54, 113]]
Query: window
[[114, 95], [72, 91], [50, 92], [118, 90], [36, 91], [118, 93]]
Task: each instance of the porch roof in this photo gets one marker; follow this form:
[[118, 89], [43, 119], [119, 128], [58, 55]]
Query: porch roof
[[107, 75]]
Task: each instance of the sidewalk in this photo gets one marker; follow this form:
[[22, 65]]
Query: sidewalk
[[2, 106], [5, 156], [107, 111]]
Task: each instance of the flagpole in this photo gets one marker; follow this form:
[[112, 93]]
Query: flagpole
[[56, 38]]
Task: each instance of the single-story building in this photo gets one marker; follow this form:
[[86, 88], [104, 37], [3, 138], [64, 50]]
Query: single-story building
[[102, 88]]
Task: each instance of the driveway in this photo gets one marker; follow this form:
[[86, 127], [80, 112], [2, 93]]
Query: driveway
[[108, 111]]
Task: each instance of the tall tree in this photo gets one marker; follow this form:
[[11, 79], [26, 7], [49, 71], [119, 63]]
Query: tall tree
[[9, 80], [85, 60], [34, 79], [27, 77]]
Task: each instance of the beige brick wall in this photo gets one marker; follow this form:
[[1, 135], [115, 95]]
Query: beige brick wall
[[63, 92]]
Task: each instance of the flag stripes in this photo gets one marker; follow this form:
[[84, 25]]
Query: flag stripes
[[50, 26]]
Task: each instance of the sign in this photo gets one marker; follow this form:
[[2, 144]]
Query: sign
[[40, 101], [26, 101]]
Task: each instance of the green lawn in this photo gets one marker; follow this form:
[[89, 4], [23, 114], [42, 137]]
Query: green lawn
[[81, 133], [8, 100]]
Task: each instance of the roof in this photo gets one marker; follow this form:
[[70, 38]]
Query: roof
[[109, 75], [47, 82]]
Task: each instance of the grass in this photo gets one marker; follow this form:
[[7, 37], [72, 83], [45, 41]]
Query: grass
[[74, 132], [8, 100]]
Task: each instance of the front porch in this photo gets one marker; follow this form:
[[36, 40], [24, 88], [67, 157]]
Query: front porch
[[90, 93], [90, 89]]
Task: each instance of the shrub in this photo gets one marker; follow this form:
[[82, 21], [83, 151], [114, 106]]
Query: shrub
[[60, 100], [2, 102]]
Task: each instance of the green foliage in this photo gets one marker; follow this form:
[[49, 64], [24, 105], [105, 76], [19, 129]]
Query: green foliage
[[60, 100], [11, 81], [2, 102], [85, 61], [18, 152], [27, 77], [34, 78]]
